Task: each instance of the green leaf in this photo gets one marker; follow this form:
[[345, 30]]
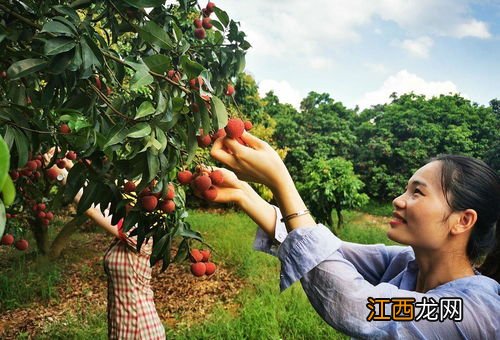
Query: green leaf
[[139, 130], [158, 63], [68, 11], [159, 248], [21, 142], [55, 27], [144, 3], [185, 231], [8, 191], [217, 24], [4, 161], [25, 67], [144, 110], [153, 166], [162, 138], [154, 34], [220, 112], [89, 196], [116, 135], [192, 143], [3, 218], [141, 78], [95, 50], [222, 16], [192, 68], [75, 181], [58, 45]]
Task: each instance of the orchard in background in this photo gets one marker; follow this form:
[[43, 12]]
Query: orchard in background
[[125, 90]]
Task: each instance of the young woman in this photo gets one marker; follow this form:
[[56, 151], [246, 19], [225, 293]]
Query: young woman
[[131, 309], [447, 216]]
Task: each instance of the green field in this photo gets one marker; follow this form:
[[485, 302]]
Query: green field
[[262, 313]]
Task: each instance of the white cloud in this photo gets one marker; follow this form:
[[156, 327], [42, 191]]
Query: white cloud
[[376, 68], [320, 63], [285, 92], [472, 28], [418, 47], [405, 82]]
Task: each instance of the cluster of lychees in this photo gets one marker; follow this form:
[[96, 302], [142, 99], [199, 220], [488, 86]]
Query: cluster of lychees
[[151, 201], [234, 129], [202, 24], [202, 181], [200, 262], [8, 239], [41, 214]]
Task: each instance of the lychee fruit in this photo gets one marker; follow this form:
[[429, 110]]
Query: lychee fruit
[[7, 239], [202, 183], [220, 133], [149, 202], [217, 177], [198, 269], [210, 7], [31, 165], [200, 33], [168, 206], [206, 255], [51, 174], [207, 24], [229, 90], [248, 125], [49, 215], [71, 155], [64, 129], [195, 255], [21, 244], [210, 194], [204, 141], [197, 23], [129, 187], [61, 163], [170, 192], [210, 268], [235, 128], [185, 177]]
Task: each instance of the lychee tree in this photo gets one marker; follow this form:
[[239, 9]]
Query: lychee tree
[[127, 87]]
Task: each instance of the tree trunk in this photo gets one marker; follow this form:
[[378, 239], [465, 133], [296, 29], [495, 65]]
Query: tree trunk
[[340, 218], [64, 235], [41, 234]]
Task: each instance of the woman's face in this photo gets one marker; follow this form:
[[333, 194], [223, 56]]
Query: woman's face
[[421, 213]]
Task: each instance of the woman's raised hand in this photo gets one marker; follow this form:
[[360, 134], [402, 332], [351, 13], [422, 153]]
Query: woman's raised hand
[[232, 190], [258, 162]]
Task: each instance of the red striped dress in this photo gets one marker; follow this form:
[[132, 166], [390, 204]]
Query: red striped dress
[[131, 308]]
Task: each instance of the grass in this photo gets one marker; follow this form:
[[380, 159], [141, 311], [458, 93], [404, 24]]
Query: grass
[[378, 209], [263, 312]]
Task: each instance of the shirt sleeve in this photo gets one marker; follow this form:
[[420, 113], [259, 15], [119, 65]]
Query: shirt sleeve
[[339, 293], [265, 243]]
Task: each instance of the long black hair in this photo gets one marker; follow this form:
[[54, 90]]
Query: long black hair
[[469, 183]]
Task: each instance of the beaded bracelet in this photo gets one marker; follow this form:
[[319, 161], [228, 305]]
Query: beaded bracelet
[[297, 214]]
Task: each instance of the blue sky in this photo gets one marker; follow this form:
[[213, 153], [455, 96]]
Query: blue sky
[[360, 51]]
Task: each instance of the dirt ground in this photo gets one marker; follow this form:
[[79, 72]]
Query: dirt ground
[[179, 296]]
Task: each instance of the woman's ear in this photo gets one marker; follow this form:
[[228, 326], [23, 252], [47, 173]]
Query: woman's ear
[[466, 220]]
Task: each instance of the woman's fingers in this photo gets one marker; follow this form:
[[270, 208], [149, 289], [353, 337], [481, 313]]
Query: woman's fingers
[[217, 152], [252, 141]]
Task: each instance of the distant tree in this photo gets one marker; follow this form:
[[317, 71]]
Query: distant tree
[[331, 185]]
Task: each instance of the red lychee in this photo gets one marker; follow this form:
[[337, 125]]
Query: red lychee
[[217, 177], [235, 128], [129, 187], [210, 7], [14, 174], [7, 239], [41, 215], [61, 163], [41, 206], [220, 133], [51, 174], [64, 129], [197, 23], [45, 221], [98, 83], [229, 90], [149, 202], [200, 33], [206, 255], [49, 215], [170, 192], [204, 141], [31, 165], [21, 244], [71, 155], [195, 107], [248, 125], [168, 206], [185, 177], [210, 268], [202, 183], [195, 255], [207, 24], [198, 269], [210, 194]]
